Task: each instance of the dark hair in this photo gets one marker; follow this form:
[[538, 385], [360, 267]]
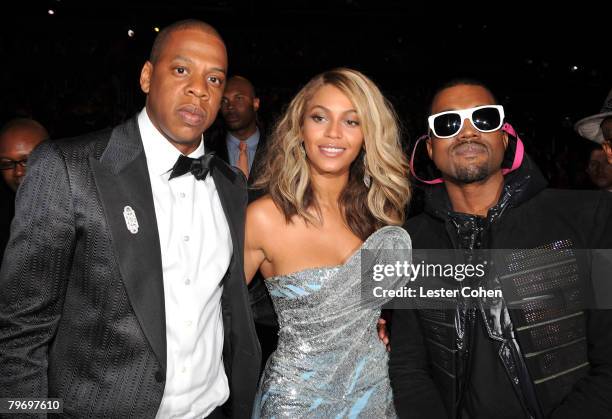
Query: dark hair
[[245, 79], [460, 81], [162, 37]]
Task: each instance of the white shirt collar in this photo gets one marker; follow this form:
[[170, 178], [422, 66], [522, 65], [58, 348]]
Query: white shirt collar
[[160, 153]]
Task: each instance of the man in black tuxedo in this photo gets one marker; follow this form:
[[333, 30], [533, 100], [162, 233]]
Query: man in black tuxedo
[[123, 288]]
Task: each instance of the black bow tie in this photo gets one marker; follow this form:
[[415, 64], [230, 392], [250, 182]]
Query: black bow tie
[[198, 167]]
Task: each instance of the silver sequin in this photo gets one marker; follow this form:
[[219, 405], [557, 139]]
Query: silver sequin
[[329, 362]]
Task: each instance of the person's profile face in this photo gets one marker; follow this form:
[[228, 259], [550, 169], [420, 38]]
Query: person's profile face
[[470, 155], [238, 105], [184, 86], [16, 145], [332, 131]]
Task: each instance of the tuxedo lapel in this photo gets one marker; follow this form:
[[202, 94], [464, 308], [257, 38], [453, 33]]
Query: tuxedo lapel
[[215, 141], [122, 180], [232, 194], [223, 153]]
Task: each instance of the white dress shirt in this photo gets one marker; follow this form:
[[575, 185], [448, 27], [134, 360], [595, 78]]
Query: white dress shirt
[[196, 249]]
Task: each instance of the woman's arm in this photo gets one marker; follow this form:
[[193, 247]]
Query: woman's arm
[[255, 235]]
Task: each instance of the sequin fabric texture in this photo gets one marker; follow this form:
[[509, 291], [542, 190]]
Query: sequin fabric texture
[[329, 362]]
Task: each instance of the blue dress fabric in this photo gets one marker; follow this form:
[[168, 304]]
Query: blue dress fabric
[[330, 362]]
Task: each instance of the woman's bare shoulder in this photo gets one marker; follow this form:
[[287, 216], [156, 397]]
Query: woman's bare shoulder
[[264, 214]]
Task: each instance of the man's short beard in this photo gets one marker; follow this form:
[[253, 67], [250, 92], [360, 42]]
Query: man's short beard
[[237, 126], [471, 174], [240, 124]]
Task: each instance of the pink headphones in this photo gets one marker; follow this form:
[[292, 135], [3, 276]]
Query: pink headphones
[[518, 155]]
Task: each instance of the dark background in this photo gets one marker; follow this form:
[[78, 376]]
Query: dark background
[[77, 70]]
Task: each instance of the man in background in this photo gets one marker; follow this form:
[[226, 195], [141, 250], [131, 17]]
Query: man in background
[[241, 141], [598, 127], [18, 138], [599, 170]]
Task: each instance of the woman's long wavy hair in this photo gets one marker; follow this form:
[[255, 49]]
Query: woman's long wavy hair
[[285, 172]]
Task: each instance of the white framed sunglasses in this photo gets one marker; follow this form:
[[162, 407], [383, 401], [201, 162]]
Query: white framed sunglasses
[[487, 118]]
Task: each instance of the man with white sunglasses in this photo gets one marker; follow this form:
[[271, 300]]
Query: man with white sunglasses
[[542, 349]]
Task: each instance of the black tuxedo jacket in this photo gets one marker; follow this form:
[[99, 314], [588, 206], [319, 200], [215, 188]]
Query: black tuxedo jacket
[[261, 303], [82, 299]]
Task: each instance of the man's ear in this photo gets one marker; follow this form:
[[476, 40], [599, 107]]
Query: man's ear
[[429, 147], [505, 139], [256, 104], [145, 76], [607, 148]]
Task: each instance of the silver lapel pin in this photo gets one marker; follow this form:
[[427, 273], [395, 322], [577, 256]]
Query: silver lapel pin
[[130, 219]]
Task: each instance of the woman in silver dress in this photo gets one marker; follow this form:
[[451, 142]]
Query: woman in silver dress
[[337, 185]]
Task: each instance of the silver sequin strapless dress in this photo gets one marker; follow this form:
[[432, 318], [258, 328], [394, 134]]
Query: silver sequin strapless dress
[[330, 362]]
